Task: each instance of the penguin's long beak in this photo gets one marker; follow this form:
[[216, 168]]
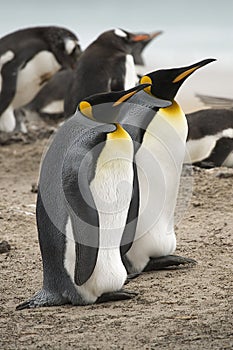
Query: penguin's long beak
[[183, 73], [145, 37], [155, 34], [129, 94]]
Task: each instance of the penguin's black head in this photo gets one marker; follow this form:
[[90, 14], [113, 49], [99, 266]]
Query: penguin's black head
[[64, 44], [104, 107], [165, 83], [121, 39], [139, 44]]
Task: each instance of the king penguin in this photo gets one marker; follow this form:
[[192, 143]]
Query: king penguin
[[107, 65], [159, 158], [85, 191], [210, 138], [28, 59]]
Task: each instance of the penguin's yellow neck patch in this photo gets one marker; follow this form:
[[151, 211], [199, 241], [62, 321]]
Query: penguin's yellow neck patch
[[146, 80], [86, 109], [185, 74], [173, 111], [119, 133]]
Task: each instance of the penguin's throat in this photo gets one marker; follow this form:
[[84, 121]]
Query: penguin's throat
[[173, 111], [119, 133]]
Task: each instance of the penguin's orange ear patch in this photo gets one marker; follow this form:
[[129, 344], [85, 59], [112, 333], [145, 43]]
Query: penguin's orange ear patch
[[146, 80], [185, 74], [86, 109]]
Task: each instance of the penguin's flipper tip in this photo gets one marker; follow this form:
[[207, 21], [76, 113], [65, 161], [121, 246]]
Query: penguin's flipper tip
[[168, 262], [122, 294]]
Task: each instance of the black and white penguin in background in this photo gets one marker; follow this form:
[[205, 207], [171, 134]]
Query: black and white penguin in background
[[49, 102], [85, 192], [138, 48], [107, 64], [28, 59], [159, 159], [210, 138]]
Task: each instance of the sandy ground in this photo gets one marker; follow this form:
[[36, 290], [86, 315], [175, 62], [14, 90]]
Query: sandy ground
[[176, 309]]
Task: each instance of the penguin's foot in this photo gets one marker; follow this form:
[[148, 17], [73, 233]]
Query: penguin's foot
[[122, 294], [131, 276], [42, 298], [169, 261]]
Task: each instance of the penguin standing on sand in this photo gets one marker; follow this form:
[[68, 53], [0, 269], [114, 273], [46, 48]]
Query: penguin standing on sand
[[107, 65], [210, 138], [159, 160], [85, 191], [28, 59]]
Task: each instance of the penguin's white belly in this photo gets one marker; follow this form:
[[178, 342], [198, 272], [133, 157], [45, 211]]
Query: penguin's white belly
[[33, 76], [111, 189], [197, 150], [159, 163], [109, 273], [155, 234], [131, 77], [7, 120], [54, 107]]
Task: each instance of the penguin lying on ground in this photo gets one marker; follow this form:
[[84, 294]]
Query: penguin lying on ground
[[85, 191], [159, 158], [49, 102], [28, 59], [216, 102], [107, 65], [210, 138]]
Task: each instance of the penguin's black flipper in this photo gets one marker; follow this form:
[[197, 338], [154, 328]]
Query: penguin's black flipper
[[166, 262], [132, 218], [9, 77], [122, 294], [222, 149], [81, 206]]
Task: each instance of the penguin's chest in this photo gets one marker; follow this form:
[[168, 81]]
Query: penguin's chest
[[159, 163], [131, 77], [33, 76], [111, 189]]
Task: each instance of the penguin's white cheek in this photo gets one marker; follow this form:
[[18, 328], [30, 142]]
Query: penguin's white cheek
[[70, 45], [120, 33]]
